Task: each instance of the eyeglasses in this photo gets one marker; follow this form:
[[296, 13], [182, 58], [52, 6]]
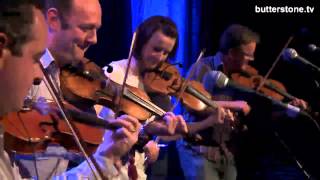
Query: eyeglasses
[[248, 55]]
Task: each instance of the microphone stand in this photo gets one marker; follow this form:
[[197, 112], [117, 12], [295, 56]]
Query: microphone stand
[[292, 156]]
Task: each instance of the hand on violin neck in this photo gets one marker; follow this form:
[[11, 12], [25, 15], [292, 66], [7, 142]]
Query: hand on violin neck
[[125, 121], [243, 107], [235, 106], [170, 124], [151, 150], [299, 103], [218, 117], [175, 124], [228, 116], [123, 138]]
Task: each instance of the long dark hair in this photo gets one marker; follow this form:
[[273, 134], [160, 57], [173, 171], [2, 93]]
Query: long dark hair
[[151, 25]]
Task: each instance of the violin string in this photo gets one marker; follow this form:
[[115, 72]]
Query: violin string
[[160, 112], [134, 98], [274, 64], [144, 103], [90, 160], [148, 104], [202, 97], [280, 91], [186, 81]]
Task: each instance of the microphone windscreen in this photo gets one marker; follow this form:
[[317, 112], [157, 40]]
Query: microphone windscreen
[[313, 47], [289, 54], [213, 80]]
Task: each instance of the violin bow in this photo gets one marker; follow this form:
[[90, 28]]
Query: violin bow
[[133, 41], [186, 81], [58, 99], [274, 64]]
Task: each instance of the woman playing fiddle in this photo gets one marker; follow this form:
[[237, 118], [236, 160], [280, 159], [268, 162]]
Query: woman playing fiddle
[[156, 40]]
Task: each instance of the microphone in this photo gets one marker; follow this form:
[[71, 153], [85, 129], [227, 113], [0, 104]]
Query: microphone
[[313, 48], [220, 80], [291, 54]]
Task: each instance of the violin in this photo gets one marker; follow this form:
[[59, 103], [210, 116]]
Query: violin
[[166, 79], [86, 83], [275, 90], [28, 131], [251, 79]]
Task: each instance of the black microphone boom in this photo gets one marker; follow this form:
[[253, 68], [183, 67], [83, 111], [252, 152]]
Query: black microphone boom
[[291, 54]]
